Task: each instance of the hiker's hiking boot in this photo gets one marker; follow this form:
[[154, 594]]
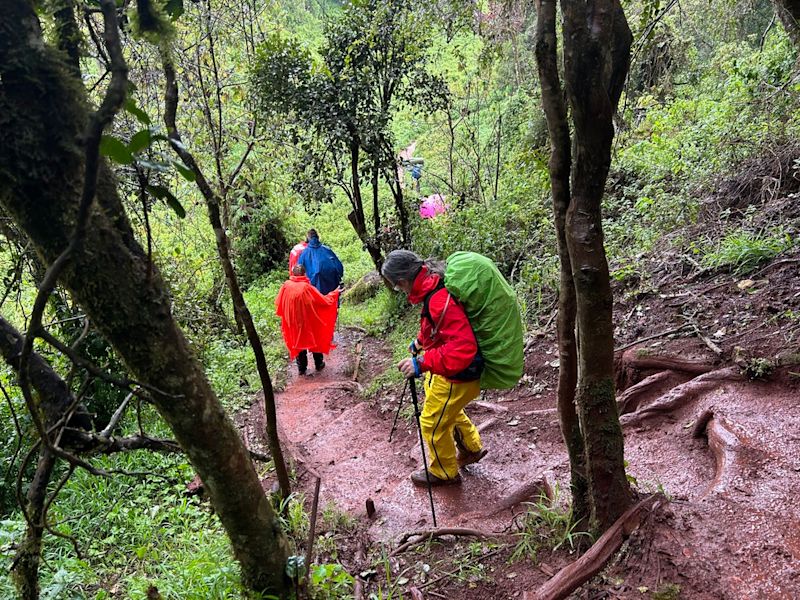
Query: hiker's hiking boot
[[465, 457], [319, 366], [418, 479]]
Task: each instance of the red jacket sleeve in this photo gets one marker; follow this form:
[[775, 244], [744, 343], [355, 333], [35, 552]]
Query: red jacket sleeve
[[454, 347]]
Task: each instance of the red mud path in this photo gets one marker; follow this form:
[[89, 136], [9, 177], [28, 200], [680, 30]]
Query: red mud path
[[731, 530], [345, 442]]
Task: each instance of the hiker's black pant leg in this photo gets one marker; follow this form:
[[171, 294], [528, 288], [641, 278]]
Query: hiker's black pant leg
[[302, 361]]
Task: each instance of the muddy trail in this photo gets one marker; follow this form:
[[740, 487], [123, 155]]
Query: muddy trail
[[708, 389]]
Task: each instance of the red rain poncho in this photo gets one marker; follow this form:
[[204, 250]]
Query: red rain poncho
[[307, 317]]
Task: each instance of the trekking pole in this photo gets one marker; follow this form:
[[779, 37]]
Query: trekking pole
[[397, 414], [414, 401]]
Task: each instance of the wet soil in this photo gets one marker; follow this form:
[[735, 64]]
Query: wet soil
[[730, 528]]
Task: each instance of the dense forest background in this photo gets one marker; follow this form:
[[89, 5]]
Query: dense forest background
[[296, 113]]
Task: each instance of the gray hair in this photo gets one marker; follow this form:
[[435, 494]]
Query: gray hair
[[404, 265]]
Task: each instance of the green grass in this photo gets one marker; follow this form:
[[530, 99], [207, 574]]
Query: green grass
[[743, 251], [546, 526]]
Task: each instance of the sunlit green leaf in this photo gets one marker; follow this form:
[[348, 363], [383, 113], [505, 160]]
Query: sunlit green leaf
[[188, 174], [162, 193], [140, 141], [159, 167], [115, 149], [141, 116]]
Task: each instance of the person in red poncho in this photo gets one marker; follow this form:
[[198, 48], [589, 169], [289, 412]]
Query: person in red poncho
[[297, 250], [307, 319]]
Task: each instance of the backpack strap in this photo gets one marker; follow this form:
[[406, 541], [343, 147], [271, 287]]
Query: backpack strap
[[426, 311]]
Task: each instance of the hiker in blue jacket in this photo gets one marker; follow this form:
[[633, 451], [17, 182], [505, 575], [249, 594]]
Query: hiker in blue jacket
[[323, 267]]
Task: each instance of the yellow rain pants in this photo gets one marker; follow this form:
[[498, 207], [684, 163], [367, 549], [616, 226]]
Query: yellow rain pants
[[442, 413]]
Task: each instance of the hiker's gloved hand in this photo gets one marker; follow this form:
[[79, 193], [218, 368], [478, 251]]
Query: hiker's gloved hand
[[410, 367], [413, 347]]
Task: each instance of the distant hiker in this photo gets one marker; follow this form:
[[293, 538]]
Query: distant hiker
[[307, 319], [322, 266], [446, 352], [295, 253]]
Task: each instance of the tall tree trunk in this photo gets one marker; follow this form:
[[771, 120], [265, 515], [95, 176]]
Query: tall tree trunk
[[788, 12], [54, 400], [43, 113], [597, 44], [376, 208], [596, 59], [559, 167], [223, 249], [29, 552], [357, 216], [392, 177]]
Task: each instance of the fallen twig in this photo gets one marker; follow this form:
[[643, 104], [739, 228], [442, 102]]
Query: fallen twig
[[423, 536], [312, 527], [460, 568], [712, 346], [651, 337], [489, 406]]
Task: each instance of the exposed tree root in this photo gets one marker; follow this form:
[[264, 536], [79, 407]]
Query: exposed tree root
[[725, 445], [592, 562], [701, 422], [359, 347], [486, 424], [630, 399], [416, 594], [348, 386], [527, 491], [496, 408], [681, 395], [360, 563], [523, 493], [423, 536], [629, 367]]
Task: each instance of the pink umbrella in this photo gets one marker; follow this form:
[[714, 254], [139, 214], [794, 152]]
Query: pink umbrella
[[432, 206]]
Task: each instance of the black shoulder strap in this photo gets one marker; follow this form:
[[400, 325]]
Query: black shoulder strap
[[426, 310]]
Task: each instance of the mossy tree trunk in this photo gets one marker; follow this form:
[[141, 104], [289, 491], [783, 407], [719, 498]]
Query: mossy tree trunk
[[555, 108], [788, 12], [43, 114], [597, 44]]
